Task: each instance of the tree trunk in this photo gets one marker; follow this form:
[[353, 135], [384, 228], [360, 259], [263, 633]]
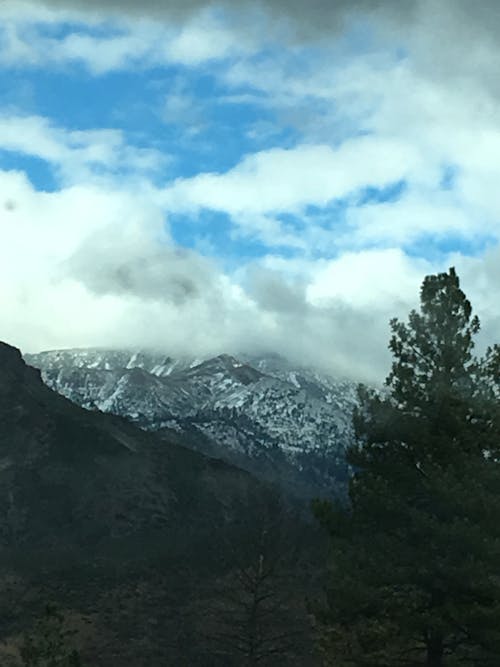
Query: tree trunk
[[435, 652]]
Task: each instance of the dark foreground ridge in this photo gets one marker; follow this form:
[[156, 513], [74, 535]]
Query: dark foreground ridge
[[83, 478]]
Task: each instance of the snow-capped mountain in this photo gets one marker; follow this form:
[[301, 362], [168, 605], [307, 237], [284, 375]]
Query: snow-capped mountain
[[284, 423]]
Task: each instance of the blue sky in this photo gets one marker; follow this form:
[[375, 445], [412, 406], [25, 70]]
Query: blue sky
[[173, 179]]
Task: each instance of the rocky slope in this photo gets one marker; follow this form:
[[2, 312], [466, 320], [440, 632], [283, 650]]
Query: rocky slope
[[284, 423]]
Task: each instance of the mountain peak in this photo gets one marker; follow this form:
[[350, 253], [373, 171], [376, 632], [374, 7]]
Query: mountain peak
[[13, 367], [10, 354], [228, 365]]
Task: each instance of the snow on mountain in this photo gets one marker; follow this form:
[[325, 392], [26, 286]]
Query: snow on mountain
[[260, 413]]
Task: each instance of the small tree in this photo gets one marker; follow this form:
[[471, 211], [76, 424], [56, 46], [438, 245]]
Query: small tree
[[257, 615], [246, 614], [415, 557]]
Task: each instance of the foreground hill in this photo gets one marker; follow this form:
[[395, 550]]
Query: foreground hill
[[130, 534], [72, 476], [280, 422]]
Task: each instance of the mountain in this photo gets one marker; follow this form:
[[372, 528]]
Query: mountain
[[130, 534], [281, 422], [72, 475]]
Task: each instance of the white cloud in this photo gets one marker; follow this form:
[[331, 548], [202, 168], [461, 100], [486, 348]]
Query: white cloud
[[287, 181], [182, 108], [426, 213], [117, 45], [368, 278], [204, 39], [76, 155], [54, 290], [415, 128]]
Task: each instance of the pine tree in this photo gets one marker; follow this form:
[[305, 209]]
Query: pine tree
[[415, 559]]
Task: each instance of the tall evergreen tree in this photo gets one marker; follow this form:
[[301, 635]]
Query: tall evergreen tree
[[415, 562]]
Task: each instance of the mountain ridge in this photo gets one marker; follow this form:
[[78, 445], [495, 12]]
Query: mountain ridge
[[263, 414]]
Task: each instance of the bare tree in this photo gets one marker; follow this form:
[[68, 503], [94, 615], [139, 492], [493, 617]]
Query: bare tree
[[257, 613]]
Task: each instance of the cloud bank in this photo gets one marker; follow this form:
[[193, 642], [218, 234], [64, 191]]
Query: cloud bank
[[378, 165], [122, 281]]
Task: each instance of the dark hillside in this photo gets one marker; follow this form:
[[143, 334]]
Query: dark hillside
[[128, 534]]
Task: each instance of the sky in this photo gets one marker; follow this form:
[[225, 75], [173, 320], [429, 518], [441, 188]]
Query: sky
[[273, 177]]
